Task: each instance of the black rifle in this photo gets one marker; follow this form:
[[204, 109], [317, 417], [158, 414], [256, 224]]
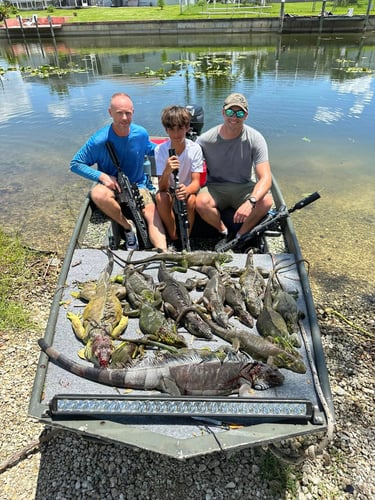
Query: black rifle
[[130, 198], [181, 211], [271, 221]]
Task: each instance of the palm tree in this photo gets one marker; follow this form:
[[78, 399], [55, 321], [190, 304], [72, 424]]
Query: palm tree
[[7, 9]]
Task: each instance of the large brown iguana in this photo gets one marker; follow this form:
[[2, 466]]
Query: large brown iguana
[[191, 373], [214, 295], [176, 298], [252, 287]]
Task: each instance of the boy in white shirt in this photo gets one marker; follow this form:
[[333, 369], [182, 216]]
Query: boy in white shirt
[[187, 162]]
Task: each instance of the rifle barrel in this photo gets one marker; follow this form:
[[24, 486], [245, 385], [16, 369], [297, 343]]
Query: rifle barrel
[[181, 210]]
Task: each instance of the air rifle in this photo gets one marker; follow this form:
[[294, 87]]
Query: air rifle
[[271, 221], [181, 211], [130, 198]]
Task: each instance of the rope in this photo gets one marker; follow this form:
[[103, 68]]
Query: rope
[[27, 450], [329, 310]]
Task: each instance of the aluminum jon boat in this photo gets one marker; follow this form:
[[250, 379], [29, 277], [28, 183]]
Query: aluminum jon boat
[[183, 426]]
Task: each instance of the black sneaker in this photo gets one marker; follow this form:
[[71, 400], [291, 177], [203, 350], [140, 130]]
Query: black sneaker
[[131, 238]]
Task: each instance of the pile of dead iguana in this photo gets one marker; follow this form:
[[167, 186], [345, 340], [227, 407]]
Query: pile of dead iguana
[[164, 307]]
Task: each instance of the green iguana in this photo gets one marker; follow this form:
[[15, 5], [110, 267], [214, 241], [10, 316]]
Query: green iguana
[[254, 345], [102, 321], [187, 259], [87, 290], [286, 305], [156, 327], [214, 295], [140, 287], [234, 299], [271, 322]]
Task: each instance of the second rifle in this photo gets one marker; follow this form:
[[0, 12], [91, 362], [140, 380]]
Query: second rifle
[[271, 221], [181, 211]]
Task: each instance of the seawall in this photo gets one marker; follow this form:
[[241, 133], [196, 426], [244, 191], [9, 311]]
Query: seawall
[[287, 24]]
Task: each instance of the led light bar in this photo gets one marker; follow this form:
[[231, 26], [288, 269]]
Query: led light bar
[[70, 405]]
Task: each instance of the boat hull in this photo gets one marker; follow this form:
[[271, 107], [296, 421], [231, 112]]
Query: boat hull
[[152, 421]]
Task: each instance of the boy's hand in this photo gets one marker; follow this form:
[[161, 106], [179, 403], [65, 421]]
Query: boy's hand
[[173, 163], [181, 193]]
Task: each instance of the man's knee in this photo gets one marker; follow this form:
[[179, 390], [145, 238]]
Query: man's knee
[[149, 211], [100, 193], [202, 201], [268, 202]]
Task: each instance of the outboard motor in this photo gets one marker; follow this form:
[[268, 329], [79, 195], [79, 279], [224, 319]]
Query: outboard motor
[[196, 125], [197, 121]]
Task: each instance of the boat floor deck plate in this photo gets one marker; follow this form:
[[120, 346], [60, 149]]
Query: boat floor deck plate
[[88, 263]]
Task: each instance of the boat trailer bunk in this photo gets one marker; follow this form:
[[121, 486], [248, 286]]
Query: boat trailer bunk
[[182, 426]]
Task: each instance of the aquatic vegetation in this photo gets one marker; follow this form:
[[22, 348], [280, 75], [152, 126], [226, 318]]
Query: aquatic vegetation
[[349, 66], [207, 66], [44, 71], [47, 70]]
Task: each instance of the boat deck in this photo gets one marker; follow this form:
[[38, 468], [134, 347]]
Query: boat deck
[[183, 426], [86, 265]]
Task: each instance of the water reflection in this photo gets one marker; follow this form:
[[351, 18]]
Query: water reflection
[[313, 98]]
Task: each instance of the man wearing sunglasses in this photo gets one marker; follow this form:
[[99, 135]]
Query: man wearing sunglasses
[[238, 171]]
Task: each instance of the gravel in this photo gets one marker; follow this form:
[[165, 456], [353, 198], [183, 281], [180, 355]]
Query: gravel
[[68, 466]]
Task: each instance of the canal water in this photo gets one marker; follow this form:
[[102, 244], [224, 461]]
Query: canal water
[[311, 97]]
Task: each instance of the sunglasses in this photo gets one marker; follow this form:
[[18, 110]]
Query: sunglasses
[[230, 112]]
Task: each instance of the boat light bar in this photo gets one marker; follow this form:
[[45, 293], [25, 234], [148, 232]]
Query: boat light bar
[[70, 405]]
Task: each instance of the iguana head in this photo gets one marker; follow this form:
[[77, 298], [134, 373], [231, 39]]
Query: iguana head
[[167, 334], [101, 348], [286, 360], [224, 257], [262, 376], [123, 354]]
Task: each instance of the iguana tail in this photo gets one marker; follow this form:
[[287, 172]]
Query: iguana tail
[[105, 275], [103, 376]]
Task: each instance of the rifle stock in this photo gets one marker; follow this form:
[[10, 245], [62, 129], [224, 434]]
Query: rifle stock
[[181, 212], [130, 198]]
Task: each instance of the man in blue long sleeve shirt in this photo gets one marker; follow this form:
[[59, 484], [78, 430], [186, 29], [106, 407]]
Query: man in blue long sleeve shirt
[[131, 143]]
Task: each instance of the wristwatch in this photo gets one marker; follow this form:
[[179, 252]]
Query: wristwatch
[[252, 200]]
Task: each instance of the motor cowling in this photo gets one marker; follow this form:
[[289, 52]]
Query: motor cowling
[[197, 121]]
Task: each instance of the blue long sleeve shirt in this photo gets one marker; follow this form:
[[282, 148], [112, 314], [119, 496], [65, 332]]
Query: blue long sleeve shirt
[[130, 151]]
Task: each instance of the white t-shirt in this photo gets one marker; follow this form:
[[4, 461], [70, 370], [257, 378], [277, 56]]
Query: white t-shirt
[[191, 160]]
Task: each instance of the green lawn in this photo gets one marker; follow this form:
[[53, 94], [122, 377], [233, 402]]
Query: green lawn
[[173, 12]]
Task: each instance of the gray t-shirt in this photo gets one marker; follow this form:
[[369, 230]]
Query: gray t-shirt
[[232, 160]]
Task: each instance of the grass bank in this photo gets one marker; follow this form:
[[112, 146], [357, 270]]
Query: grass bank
[[15, 265], [174, 12]]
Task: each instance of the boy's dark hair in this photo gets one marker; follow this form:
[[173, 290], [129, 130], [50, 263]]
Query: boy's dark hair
[[175, 116]]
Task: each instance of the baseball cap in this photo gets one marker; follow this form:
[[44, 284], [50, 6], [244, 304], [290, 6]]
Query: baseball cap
[[236, 100]]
